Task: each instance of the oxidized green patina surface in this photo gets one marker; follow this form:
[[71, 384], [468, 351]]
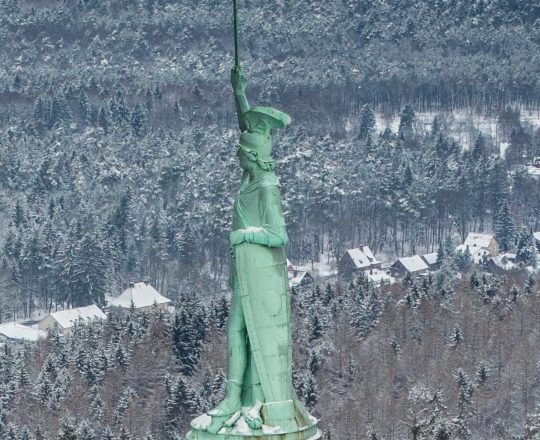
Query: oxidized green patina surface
[[260, 400]]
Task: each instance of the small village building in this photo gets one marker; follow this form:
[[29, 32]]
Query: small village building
[[478, 255], [357, 260], [537, 239], [300, 278], [483, 241], [414, 265], [501, 264], [142, 296], [431, 260], [290, 266], [64, 321], [14, 331]]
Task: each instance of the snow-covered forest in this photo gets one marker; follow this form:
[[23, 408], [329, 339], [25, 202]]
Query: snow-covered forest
[[117, 142]]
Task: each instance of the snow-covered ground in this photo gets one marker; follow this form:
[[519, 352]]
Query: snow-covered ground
[[463, 124], [533, 171], [380, 277], [326, 267]]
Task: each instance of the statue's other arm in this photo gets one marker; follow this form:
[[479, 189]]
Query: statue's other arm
[[273, 232], [239, 83]]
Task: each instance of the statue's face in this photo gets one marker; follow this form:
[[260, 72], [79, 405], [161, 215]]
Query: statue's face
[[245, 162], [258, 127]]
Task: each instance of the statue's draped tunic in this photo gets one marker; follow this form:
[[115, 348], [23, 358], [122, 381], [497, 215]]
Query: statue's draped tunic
[[259, 281]]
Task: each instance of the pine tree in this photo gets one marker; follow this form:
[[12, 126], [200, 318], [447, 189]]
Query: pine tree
[[367, 122], [123, 404], [108, 433], [529, 286], [122, 357], [526, 249], [185, 342], [38, 434], [505, 227], [221, 312], [329, 295], [315, 327], [465, 391], [513, 294], [138, 121], [124, 434], [149, 102], [40, 115], [457, 337], [463, 260], [84, 108], [68, 430], [85, 431], [406, 123], [103, 119], [310, 391], [482, 374], [97, 404], [479, 149]]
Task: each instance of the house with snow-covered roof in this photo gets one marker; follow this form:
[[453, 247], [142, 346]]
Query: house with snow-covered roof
[[141, 296], [357, 260], [64, 321], [478, 254], [483, 241], [14, 331], [501, 264], [414, 265], [431, 260], [537, 239], [299, 278]]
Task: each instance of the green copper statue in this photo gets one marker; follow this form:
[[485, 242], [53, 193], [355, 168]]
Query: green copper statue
[[260, 400]]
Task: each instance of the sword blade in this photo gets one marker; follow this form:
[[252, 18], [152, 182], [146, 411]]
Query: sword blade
[[236, 53]]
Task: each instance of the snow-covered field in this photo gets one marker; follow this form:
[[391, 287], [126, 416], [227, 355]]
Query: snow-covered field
[[464, 125], [325, 267]]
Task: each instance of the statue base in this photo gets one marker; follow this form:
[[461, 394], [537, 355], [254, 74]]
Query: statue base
[[241, 431]]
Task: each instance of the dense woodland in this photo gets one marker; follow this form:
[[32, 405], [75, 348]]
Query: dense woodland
[[117, 135]]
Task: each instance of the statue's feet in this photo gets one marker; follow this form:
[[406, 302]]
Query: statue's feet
[[252, 416], [224, 415], [228, 407]]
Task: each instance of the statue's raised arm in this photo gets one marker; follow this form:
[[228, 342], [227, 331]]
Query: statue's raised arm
[[239, 84]]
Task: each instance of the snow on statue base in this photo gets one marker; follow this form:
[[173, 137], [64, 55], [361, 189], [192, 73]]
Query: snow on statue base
[[239, 430]]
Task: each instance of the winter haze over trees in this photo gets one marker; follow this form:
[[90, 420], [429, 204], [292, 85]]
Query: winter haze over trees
[[117, 140]]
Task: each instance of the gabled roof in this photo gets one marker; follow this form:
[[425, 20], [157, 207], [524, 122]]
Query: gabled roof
[[69, 317], [537, 235], [505, 261], [413, 264], [362, 257], [13, 330], [290, 266], [430, 259], [141, 295], [478, 239], [297, 277], [473, 250]]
